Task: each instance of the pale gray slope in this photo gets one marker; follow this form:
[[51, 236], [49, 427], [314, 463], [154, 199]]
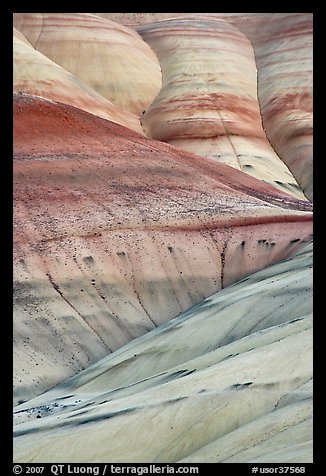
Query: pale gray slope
[[227, 381]]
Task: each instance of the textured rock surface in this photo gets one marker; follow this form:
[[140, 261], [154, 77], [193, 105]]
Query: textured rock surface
[[133, 20], [230, 380], [115, 233], [108, 57], [208, 102], [284, 63], [36, 74], [282, 44]]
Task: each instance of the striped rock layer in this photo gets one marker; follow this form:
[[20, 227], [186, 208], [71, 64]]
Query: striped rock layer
[[36, 74], [228, 381], [115, 233], [208, 102], [284, 62], [108, 57], [282, 44]]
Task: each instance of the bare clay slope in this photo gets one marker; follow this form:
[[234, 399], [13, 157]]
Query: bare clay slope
[[208, 103], [36, 74], [284, 55], [230, 380], [108, 57], [115, 234], [282, 44]]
